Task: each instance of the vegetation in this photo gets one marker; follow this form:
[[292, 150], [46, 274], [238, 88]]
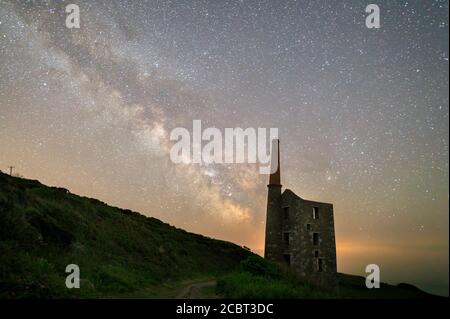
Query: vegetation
[[258, 278], [351, 286], [125, 254], [119, 252]]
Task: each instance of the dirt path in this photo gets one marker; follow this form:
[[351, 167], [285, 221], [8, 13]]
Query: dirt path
[[195, 290]]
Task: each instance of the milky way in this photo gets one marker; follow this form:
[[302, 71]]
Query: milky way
[[362, 115]]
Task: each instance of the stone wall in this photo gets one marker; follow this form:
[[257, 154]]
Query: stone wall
[[273, 224], [314, 262]]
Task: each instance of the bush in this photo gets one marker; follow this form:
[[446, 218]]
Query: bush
[[259, 266]]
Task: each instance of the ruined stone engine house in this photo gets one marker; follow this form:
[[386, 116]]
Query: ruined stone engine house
[[300, 233]]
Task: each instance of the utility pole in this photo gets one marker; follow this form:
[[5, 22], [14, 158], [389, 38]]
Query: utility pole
[[10, 170]]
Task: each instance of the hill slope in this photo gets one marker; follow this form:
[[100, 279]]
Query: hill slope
[[43, 229], [125, 254]]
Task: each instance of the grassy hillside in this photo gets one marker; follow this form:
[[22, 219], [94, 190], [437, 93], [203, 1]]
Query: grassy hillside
[[351, 286], [119, 252], [125, 254], [258, 278]]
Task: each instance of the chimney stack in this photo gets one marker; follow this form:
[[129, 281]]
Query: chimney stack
[[275, 179], [273, 240]]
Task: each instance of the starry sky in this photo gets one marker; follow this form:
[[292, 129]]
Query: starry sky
[[362, 115]]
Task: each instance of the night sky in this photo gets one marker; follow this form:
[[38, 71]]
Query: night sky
[[362, 115]]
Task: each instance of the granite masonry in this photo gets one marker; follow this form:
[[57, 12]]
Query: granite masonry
[[300, 233]]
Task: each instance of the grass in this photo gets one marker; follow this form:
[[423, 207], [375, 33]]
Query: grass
[[260, 279], [119, 252], [123, 254], [351, 286], [257, 278]]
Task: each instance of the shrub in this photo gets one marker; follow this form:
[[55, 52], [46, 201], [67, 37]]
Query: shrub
[[259, 266]]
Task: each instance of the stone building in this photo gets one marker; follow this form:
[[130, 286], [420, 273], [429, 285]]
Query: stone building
[[300, 233]]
